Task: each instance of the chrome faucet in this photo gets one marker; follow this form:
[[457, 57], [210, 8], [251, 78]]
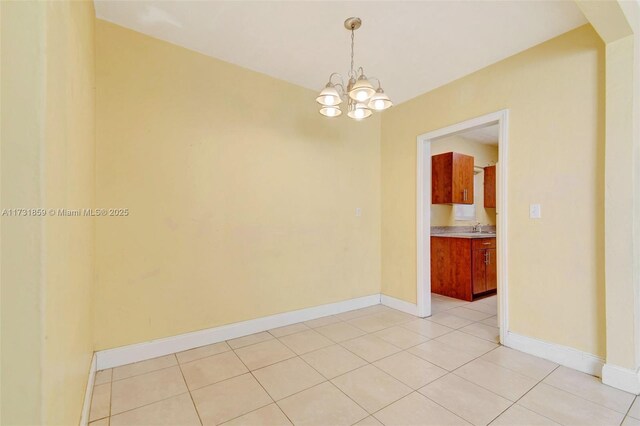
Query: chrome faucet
[[477, 227]]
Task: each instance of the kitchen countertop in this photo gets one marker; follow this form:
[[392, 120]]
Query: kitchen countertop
[[470, 235]]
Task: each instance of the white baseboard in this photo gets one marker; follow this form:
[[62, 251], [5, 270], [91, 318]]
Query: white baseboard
[[88, 393], [622, 378], [563, 355], [142, 351], [401, 305]]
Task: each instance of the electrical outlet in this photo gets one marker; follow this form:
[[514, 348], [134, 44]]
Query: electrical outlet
[[358, 212], [535, 211]]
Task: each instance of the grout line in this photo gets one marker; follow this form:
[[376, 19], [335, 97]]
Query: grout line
[[265, 391], [525, 394], [629, 410], [583, 398], [150, 403], [195, 407], [335, 386]]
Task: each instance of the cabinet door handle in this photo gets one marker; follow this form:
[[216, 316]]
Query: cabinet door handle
[[464, 195], [486, 244], [487, 258]]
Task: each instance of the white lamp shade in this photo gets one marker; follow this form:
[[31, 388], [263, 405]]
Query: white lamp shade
[[329, 96], [362, 90], [330, 111], [380, 101], [359, 111]]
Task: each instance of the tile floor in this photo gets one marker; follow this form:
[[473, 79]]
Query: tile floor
[[370, 366]]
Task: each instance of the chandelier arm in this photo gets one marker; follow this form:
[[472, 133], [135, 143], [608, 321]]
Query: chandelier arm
[[376, 79], [334, 74], [341, 89]]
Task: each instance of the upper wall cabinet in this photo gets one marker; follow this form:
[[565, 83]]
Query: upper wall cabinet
[[490, 187], [451, 178]]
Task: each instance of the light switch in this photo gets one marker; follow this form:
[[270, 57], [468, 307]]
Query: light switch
[[358, 212], [535, 211]]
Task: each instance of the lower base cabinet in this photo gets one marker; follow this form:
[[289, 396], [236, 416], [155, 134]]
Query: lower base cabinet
[[463, 268]]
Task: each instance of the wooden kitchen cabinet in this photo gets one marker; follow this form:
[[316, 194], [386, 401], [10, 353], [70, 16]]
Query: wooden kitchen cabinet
[[463, 268], [451, 178], [490, 187], [484, 265]]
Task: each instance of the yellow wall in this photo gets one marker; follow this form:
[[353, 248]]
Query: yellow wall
[[22, 32], [555, 93], [483, 155], [242, 197], [69, 181], [47, 162]]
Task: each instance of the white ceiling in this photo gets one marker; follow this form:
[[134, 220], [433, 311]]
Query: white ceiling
[[412, 46], [487, 135]]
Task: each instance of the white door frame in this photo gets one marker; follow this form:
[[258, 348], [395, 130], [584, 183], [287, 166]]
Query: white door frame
[[423, 204]]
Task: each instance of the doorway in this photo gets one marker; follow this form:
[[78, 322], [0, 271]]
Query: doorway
[[424, 213]]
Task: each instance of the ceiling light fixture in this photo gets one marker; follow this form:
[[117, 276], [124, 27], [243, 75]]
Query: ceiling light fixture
[[360, 94]]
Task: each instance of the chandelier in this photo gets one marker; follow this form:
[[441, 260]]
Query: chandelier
[[361, 97]]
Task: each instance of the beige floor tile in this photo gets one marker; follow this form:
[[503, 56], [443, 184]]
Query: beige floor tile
[[371, 387], [482, 307], [306, 341], [492, 321], [628, 421], [251, 339], [287, 377], [340, 331], [565, 408], [491, 301], [202, 352], [271, 415], [394, 317], [400, 337], [333, 361], [322, 405], [634, 411], [502, 381], [143, 367], [415, 409], [264, 353], [370, 323], [441, 355], [177, 410], [212, 369], [319, 322], [449, 320], [370, 348], [590, 388], [101, 422], [100, 402], [289, 329], [483, 331], [520, 416], [469, 314], [369, 421], [427, 328], [227, 400], [356, 313], [447, 302], [467, 343], [145, 389], [469, 401], [525, 364], [102, 377], [410, 369]]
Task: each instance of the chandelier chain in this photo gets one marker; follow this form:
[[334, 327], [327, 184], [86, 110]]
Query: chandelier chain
[[351, 73]]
